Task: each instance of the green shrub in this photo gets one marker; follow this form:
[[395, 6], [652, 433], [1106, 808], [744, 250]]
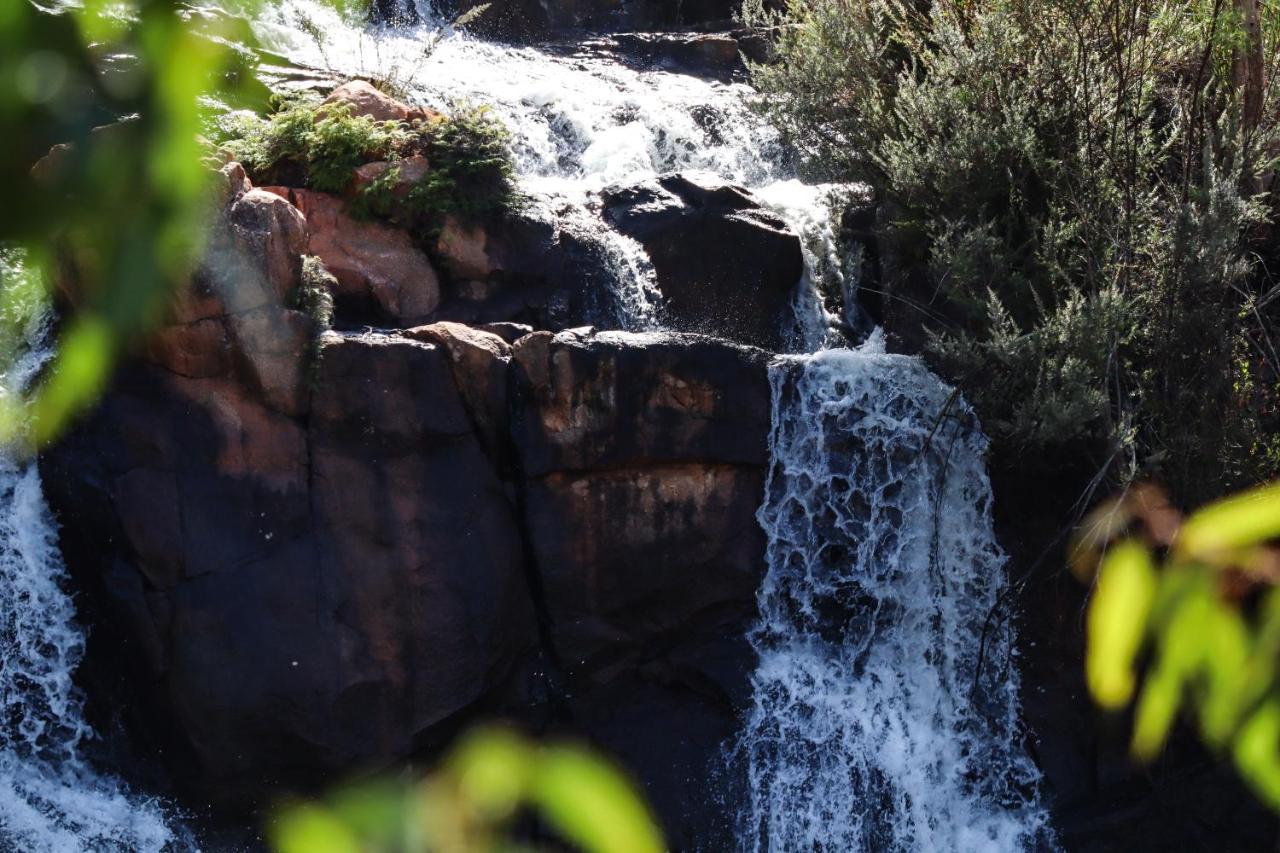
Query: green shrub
[[471, 174], [314, 296], [320, 146], [1068, 190]]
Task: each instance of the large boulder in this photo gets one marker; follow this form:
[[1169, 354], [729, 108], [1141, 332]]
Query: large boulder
[[725, 265], [364, 99], [548, 265], [383, 278], [308, 596], [644, 462], [643, 457]]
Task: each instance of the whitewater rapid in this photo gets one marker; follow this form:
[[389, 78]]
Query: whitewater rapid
[[51, 799], [885, 702]]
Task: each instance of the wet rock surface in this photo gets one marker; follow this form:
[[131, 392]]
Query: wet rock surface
[[725, 264]]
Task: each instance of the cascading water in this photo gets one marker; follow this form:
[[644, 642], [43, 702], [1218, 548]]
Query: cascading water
[[885, 710], [51, 800]]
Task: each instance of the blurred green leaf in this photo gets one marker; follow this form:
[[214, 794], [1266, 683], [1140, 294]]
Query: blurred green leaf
[[1257, 751], [1237, 522], [309, 828], [1117, 621], [592, 804]]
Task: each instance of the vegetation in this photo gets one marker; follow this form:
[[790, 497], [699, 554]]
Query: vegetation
[[320, 146], [470, 803], [1074, 205], [1205, 625], [130, 198]]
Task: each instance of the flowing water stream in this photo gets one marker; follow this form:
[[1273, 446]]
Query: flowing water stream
[[885, 706], [50, 798]]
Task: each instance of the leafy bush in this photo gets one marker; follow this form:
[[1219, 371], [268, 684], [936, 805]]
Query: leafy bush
[[320, 146], [314, 296], [1186, 614], [1068, 190], [470, 175]]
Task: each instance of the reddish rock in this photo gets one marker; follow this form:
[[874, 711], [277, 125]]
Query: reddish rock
[[464, 250], [603, 400], [366, 100], [409, 172], [382, 276]]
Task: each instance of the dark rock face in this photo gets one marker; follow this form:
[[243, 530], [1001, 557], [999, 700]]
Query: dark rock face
[[313, 552], [308, 595], [725, 265]]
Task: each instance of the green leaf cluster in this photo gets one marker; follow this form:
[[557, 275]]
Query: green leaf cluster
[[319, 146], [120, 86], [469, 805], [1194, 632]]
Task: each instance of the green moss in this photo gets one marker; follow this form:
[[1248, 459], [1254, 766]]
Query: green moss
[[319, 147]]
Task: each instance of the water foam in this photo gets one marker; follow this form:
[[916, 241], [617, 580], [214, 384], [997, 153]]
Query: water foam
[[885, 702], [51, 800]]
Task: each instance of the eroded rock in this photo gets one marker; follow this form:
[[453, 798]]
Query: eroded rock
[[383, 277], [726, 266]]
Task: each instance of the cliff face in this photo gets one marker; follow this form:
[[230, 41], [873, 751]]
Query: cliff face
[[313, 552]]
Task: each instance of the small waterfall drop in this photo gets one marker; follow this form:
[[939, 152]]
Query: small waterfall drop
[[51, 800], [885, 702]]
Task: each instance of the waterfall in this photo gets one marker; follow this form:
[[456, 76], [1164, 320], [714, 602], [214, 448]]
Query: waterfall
[[885, 702], [51, 800]]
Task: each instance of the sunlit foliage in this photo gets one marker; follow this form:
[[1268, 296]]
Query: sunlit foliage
[[469, 805], [319, 146], [1197, 628], [121, 206], [1071, 201]]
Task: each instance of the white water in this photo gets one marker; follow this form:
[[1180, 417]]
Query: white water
[[885, 713], [51, 800], [582, 122]]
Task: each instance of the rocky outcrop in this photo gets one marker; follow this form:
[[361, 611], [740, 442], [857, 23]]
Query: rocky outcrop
[[315, 551], [384, 279], [523, 20], [644, 460], [363, 99], [725, 265]]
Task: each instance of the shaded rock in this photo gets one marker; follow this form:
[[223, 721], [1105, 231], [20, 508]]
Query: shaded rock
[[710, 54], [509, 332], [725, 265], [304, 598], [384, 278], [479, 360], [366, 100], [631, 559], [534, 19], [644, 458], [612, 399], [546, 266]]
